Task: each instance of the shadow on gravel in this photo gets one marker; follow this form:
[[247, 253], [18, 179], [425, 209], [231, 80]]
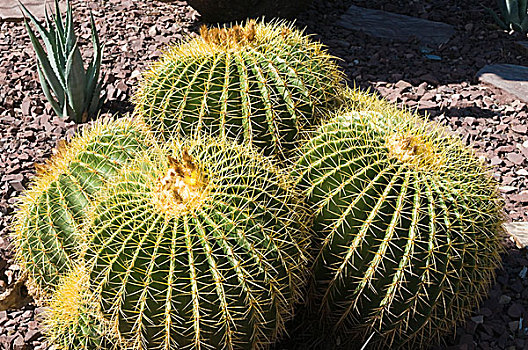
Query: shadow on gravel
[[368, 60]]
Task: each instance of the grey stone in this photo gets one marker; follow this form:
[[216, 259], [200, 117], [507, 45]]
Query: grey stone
[[511, 78], [519, 232], [388, 25], [504, 299], [479, 319], [10, 11]]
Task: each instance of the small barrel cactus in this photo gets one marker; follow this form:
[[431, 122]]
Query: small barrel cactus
[[262, 83], [73, 321], [198, 245], [47, 231], [407, 222]]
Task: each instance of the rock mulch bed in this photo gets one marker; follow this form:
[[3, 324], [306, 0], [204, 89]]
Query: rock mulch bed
[[440, 82]]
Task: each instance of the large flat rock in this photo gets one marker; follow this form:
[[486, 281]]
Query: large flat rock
[[9, 10], [388, 25], [519, 232], [508, 77]]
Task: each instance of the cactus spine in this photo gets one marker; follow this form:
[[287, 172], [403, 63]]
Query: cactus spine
[[200, 246], [262, 83], [407, 222], [47, 233]]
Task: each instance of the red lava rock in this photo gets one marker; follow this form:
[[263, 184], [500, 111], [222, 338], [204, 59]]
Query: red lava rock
[[495, 161], [515, 310], [26, 104], [402, 85], [522, 198], [515, 158], [31, 335], [19, 343], [521, 129]]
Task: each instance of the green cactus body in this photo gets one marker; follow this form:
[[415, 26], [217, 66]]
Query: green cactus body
[[199, 246], [407, 222], [73, 321], [47, 232], [261, 83]]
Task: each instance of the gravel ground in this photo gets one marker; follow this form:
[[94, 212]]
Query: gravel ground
[[446, 91]]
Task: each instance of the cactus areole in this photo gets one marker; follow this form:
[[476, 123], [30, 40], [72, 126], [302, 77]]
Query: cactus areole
[[407, 222], [199, 247]]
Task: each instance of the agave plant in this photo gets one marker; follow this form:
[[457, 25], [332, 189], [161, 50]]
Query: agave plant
[[72, 91], [514, 15]]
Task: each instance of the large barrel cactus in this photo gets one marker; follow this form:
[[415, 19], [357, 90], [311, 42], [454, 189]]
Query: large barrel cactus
[[407, 223], [47, 235], [200, 246], [260, 82]]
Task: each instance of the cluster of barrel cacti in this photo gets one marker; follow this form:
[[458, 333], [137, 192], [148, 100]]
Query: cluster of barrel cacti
[[251, 187]]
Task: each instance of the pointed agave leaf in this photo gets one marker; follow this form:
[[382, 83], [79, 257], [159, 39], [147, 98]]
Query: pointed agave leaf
[[503, 9], [58, 19], [45, 35], [61, 35], [524, 25], [47, 70], [42, 31], [59, 49], [66, 111], [47, 17], [75, 82], [56, 55], [47, 93], [92, 74], [513, 11], [499, 22], [71, 38], [522, 8], [97, 100]]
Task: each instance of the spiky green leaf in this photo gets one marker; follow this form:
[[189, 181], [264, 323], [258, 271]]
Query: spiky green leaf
[[49, 42], [43, 60], [76, 82], [93, 71], [47, 92]]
